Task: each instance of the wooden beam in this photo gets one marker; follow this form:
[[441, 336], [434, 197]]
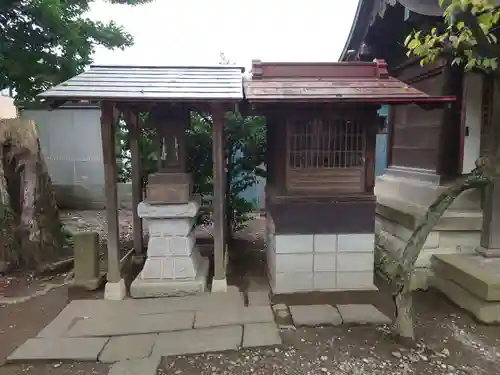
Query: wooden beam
[[219, 191], [133, 121], [108, 127]]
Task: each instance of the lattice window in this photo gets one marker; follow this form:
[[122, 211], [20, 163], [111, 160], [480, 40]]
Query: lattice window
[[325, 144]]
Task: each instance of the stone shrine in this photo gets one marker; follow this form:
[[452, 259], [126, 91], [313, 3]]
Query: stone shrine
[[174, 265]]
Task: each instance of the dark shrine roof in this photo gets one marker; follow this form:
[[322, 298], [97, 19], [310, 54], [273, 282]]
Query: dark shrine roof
[[330, 82], [114, 82]]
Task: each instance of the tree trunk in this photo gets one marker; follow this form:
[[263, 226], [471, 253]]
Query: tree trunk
[[31, 217], [403, 300]]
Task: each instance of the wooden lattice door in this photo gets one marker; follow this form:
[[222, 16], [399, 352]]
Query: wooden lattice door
[[326, 155]]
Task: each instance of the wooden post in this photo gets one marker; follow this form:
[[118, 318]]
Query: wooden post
[[219, 282], [108, 125], [133, 123]]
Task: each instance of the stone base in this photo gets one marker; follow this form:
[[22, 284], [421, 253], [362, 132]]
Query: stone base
[[488, 253], [219, 285], [300, 263], [484, 311], [89, 284], [402, 203], [115, 291], [141, 288]]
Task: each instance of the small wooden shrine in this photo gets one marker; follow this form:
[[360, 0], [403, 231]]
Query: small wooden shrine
[[321, 124]]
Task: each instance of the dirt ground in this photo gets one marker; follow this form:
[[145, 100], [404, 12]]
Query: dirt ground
[[450, 342]]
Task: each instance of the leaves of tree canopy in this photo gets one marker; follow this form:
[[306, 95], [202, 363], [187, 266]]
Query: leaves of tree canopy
[[468, 35], [44, 42]]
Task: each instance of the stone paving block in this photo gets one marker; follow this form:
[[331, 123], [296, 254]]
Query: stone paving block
[[233, 316], [198, 341], [315, 315], [121, 348], [147, 366], [362, 314], [260, 334], [77, 349], [259, 298], [132, 324]]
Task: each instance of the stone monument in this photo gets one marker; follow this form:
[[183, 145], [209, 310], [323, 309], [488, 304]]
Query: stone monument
[[174, 265]]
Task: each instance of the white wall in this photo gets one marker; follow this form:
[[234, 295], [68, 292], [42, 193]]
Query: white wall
[[472, 98], [7, 107]]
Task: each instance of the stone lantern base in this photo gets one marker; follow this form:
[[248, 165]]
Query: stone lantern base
[[174, 266]]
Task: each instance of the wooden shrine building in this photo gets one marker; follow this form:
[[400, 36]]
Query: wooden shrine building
[[429, 150], [321, 125], [166, 95]]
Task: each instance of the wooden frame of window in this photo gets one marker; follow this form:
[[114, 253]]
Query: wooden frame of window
[[326, 155]]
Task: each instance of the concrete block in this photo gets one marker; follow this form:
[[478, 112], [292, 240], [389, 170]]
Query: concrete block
[[477, 274], [452, 239], [292, 282], [131, 325], [362, 314], [174, 246], [325, 262], [196, 341], [155, 287], [484, 311], [76, 349], [355, 280], [171, 227], [259, 298], [115, 291], [294, 243], [315, 315], [147, 366], [402, 233], [325, 243], [356, 242], [86, 260], [233, 316], [355, 262], [294, 263], [260, 334], [121, 348], [174, 211], [324, 281]]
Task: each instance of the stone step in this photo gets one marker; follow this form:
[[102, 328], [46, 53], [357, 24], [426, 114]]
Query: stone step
[[480, 276], [484, 311]]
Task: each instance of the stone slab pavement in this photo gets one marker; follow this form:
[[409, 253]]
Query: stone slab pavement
[[131, 324], [315, 315], [77, 349], [362, 314], [196, 341], [233, 316], [260, 334], [121, 348]]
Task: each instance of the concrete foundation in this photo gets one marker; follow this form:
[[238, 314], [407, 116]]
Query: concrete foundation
[[401, 204], [174, 265], [471, 281], [319, 262]]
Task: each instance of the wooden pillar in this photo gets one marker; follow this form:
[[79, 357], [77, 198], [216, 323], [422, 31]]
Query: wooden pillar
[[115, 288], [133, 123], [490, 234], [219, 282]]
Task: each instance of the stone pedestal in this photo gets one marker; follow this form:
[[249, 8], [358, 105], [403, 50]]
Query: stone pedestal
[[174, 265], [86, 263]]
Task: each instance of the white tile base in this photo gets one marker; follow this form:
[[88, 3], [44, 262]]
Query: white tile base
[[319, 262]]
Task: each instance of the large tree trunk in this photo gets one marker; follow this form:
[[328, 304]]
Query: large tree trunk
[[27, 199], [402, 298]]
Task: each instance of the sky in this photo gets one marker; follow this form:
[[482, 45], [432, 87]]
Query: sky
[[195, 32]]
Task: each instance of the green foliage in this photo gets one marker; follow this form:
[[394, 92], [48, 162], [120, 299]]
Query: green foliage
[[44, 42], [467, 36], [245, 147]]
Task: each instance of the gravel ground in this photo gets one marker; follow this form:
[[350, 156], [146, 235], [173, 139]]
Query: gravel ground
[[451, 343]]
